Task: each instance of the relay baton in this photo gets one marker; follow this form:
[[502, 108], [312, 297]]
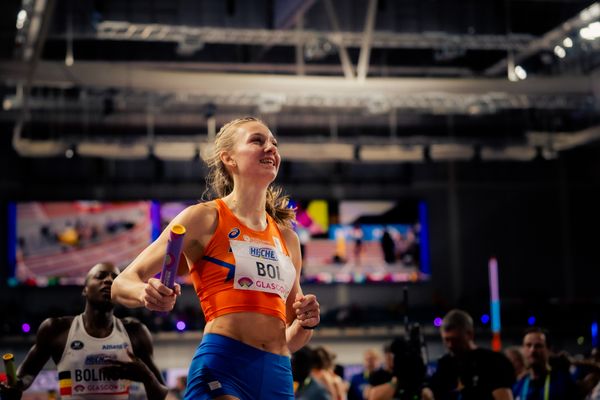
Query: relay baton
[[9, 367], [169, 269]]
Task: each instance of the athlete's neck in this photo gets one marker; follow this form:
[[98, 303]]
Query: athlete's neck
[[249, 207], [98, 323]]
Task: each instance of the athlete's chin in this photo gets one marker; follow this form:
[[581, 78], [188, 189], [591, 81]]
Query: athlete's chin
[[266, 178]]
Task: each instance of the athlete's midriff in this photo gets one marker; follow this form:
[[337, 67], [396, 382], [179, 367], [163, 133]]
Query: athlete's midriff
[[257, 330]]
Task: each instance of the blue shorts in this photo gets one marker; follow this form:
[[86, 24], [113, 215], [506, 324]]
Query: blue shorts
[[225, 366]]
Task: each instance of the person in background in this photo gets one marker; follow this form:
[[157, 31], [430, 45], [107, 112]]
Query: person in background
[[359, 383], [467, 371], [96, 353], [244, 261], [542, 381], [587, 374], [514, 354], [306, 387], [177, 392], [385, 373], [357, 236], [323, 372], [388, 247]]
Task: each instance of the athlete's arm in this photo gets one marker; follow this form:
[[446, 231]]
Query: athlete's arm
[[141, 368], [136, 285], [302, 310], [48, 335]]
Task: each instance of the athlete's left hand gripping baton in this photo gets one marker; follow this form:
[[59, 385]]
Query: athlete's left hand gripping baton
[[9, 367], [169, 270]]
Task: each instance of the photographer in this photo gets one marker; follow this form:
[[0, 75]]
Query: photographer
[[408, 372]]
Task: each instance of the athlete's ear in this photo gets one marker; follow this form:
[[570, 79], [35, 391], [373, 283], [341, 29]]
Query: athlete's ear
[[227, 159]]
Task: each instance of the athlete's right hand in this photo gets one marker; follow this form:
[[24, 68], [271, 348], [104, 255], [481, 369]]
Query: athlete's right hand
[[158, 297]]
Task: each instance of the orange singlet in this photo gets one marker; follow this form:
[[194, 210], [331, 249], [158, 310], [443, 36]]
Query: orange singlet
[[243, 269]]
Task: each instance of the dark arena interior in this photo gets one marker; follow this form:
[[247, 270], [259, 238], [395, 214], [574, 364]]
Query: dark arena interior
[[439, 155]]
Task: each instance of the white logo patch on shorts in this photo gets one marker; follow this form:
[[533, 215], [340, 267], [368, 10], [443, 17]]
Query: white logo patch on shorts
[[214, 385]]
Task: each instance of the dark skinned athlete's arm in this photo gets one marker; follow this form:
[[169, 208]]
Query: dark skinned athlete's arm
[[49, 336]]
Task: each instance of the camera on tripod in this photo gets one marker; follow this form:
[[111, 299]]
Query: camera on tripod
[[409, 364]]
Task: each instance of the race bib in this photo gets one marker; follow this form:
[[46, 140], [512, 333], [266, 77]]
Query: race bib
[[262, 268]]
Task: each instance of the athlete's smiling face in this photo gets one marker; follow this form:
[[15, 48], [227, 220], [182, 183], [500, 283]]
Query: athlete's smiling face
[[255, 152]]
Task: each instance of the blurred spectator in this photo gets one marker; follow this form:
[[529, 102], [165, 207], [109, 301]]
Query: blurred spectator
[[408, 252], [177, 392], [543, 381], [595, 393], [359, 383], [357, 237], [514, 354], [388, 247], [385, 373], [323, 372], [467, 371], [587, 375], [305, 386]]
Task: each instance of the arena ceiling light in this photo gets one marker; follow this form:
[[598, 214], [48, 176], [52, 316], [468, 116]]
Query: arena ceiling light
[[392, 153], [508, 153], [175, 151], [122, 151], [317, 151], [451, 152], [39, 148]]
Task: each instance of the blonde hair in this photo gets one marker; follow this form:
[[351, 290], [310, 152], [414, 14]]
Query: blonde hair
[[220, 183]]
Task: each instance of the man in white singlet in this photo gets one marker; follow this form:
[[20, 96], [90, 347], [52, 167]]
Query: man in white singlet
[[96, 354]]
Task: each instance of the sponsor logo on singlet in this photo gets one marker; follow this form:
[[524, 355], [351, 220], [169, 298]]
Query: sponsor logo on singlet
[[114, 346], [235, 232], [245, 282], [100, 359], [263, 252], [77, 345]]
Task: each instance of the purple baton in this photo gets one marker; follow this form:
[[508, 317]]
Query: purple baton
[[169, 269]]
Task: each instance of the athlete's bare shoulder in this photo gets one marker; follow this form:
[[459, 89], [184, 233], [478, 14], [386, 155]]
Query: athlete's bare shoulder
[[52, 335], [290, 236], [200, 218], [55, 325], [134, 326]]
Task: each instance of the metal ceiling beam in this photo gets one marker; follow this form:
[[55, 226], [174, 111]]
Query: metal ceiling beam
[[287, 12], [315, 69], [549, 40], [38, 32], [122, 30], [365, 48], [342, 51], [299, 53], [128, 76]]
